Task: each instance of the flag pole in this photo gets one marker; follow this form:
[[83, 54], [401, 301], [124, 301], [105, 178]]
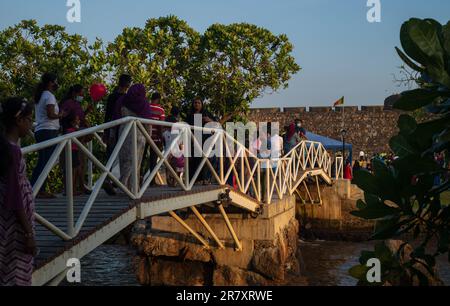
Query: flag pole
[[343, 130]]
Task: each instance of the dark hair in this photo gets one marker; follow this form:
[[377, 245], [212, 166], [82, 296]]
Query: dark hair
[[42, 86], [156, 96], [175, 111], [197, 98], [125, 80], [10, 110], [73, 90]]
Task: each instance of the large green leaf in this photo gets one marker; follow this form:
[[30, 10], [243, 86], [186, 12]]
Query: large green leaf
[[386, 229], [383, 253], [386, 180], [408, 61], [366, 181], [401, 146], [446, 45], [365, 256], [359, 272], [415, 99], [375, 209], [425, 35], [422, 40], [425, 132], [408, 43], [407, 124]]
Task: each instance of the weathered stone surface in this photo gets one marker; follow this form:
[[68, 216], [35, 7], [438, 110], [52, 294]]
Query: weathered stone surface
[[273, 258], [195, 252], [171, 245], [266, 227], [368, 131], [233, 276], [229, 257], [268, 262], [173, 258], [142, 269], [173, 273]]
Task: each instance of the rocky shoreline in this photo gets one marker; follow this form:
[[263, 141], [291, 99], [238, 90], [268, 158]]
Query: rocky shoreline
[[174, 259]]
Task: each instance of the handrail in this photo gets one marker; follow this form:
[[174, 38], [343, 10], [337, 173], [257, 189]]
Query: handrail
[[261, 179]]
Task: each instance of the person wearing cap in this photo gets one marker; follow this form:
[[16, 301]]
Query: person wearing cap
[[362, 160]]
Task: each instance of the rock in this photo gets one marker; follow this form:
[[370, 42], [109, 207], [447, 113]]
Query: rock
[[229, 257], [173, 273], [139, 227], [171, 245], [233, 276], [274, 259], [292, 233], [194, 252], [142, 269], [268, 262]]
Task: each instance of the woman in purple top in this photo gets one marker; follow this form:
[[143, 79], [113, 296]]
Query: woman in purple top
[[71, 108], [17, 243], [133, 104]]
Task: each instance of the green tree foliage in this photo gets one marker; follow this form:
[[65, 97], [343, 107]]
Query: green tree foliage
[[160, 56], [238, 63], [407, 197], [230, 65], [27, 50]]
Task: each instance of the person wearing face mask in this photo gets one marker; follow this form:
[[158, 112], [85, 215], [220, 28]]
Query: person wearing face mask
[[71, 108], [300, 129], [47, 125]]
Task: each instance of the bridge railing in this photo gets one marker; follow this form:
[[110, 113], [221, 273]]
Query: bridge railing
[[339, 168], [232, 163]]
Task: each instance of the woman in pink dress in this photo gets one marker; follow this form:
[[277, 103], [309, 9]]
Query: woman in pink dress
[[17, 242]]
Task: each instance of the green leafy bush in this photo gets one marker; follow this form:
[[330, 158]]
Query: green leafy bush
[[406, 197]]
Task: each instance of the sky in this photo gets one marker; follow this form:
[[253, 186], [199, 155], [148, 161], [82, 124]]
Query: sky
[[340, 52]]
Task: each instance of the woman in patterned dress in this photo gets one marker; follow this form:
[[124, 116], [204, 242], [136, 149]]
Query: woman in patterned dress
[[17, 243]]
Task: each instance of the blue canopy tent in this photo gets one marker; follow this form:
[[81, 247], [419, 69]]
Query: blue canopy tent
[[331, 144]]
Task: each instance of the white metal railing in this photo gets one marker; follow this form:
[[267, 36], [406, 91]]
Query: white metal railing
[[280, 177], [339, 168]]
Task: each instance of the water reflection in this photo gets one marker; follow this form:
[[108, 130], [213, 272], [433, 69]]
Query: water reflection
[[108, 265], [326, 263]]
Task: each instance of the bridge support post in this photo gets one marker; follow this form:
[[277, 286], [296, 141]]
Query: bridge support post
[[134, 173], [208, 228], [189, 229], [309, 194], [187, 152], [230, 228], [318, 190], [69, 189], [90, 167]]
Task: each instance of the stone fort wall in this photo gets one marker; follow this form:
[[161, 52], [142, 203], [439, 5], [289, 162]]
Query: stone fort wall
[[369, 128]]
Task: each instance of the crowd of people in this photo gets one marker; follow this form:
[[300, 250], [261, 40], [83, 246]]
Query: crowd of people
[[52, 119]]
